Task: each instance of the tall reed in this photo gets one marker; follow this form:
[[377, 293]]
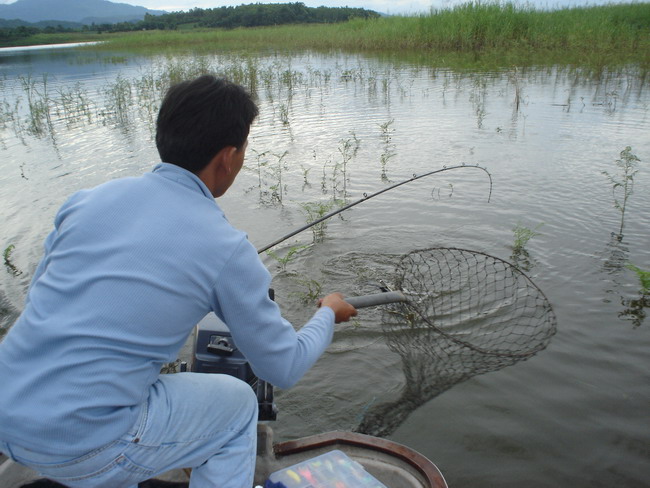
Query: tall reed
[[605, 33]]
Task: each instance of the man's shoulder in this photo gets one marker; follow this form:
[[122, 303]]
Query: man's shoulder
[[111, 186]]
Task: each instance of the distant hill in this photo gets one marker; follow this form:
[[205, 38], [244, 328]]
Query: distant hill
[[81, 11]]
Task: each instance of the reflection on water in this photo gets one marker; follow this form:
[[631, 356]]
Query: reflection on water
[[616, 255], [635, 308], [616, 263], [334, 127]]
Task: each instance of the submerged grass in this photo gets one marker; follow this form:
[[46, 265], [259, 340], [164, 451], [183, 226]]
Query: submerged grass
[[597, 35]]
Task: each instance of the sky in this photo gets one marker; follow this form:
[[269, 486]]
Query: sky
[[384, 6]]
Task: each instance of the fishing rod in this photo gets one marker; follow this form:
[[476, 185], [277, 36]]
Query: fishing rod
[[368, 197]]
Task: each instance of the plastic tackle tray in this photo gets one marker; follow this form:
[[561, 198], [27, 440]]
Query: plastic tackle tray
[[331, 470]]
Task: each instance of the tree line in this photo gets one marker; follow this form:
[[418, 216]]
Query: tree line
[[11, 34], [251, 15], [255, 15]]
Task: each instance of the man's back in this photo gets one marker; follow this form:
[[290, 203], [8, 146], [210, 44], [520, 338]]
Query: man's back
[[122, 282]]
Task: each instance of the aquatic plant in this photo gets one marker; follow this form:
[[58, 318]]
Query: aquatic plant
[[273, 192], [477, 99], [315, 211], [176, 70], [287, 257], [514, 79], [38, 103], [388, 151], [284, 113], [522, 235], [348, 149], [149, 95], [277, 189], [119, 99], [261, 163], [623, 182], [11, 267], [644, 277], [73, 105], [6, 114], [305, 176], [313, 289]]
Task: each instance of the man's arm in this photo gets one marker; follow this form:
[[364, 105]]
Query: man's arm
[[276, 352]]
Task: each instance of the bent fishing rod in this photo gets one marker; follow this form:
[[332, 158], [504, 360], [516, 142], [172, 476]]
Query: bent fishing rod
[[372, 195]]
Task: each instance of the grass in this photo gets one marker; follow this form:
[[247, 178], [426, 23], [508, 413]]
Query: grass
[[510, 34]]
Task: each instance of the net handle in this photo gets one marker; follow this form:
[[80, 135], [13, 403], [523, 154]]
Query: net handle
[[375, 299]]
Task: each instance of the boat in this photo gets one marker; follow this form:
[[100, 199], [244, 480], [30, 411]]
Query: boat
[[391, 463]]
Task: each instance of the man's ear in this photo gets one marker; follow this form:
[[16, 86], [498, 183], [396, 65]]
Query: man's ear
[[229, 153], [222, 161], [218, 170]]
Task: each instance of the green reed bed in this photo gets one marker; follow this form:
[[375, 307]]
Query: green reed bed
[[607, 34]]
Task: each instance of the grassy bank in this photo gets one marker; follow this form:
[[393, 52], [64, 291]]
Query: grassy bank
[[607, 34]]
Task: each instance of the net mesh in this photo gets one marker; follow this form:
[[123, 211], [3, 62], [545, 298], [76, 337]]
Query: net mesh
[[469, 313]]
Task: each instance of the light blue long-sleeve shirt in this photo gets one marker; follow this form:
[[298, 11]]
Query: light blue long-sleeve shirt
[[130, 267]]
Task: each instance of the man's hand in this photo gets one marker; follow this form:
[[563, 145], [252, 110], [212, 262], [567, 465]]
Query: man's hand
[[342, 309]]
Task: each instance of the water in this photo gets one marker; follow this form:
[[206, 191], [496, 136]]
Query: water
[[573, 415]]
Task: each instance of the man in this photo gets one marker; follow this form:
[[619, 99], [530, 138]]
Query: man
[[128, 270]]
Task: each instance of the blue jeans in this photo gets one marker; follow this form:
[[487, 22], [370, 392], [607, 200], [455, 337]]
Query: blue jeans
[[207, 422]]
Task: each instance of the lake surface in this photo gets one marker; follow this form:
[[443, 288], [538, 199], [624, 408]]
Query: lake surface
[[334, 127]]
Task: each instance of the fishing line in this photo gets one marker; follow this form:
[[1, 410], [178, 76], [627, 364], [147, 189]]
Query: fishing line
[[372, 195]]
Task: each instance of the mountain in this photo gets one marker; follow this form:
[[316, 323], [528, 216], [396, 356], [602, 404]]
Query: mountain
[[83, 11]]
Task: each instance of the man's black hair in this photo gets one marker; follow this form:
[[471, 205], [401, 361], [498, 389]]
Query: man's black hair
[[200, 117]]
